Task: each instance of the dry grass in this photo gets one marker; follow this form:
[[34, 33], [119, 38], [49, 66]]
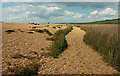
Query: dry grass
[[104, 39]]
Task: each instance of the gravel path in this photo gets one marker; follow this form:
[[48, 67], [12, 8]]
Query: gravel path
[[77, 58]]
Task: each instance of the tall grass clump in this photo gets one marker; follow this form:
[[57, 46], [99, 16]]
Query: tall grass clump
[[104, 39], [60, 43], [9, 31], [27, 71]]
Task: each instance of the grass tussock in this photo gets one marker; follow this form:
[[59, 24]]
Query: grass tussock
[[9, 31], [39, 31], [104, 39], [27, 71], [35, 23], [30, 32], [54, 27], [45, 30], [60, 43], [51, 39], [34, 27]]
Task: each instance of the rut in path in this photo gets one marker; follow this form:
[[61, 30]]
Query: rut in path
[[78, 58]]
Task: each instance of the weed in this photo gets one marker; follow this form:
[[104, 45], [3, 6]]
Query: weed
[[30, 32], [40, 31], [34, 27], [9, 31], [54, 27], [28, 71], [45, 30], [35, 52]]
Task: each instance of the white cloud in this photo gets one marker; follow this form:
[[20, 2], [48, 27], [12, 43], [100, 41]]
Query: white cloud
[[69, 13], [29, 12], [40, 13], [31, 5], [89, 16], [94, 12], [78, 15], [105, 14], [108, 11]]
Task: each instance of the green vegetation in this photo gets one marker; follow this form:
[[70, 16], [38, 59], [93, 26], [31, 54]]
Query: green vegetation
[[34, 27], [104, 39], [48, 25], [40, 31], [35, 23], [45, 30], [52, 39], [9, 31], [30, 32], [60, 43], [54, 27], [59, 27], [28, 71], [114, 21]]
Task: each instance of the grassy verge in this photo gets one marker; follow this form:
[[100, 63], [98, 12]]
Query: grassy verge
[[104, 39], [60, 43]]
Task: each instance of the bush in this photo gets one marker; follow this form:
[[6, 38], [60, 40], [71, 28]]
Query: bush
[[30, 32], [59, 27], [9, 31], [28, 71], [54, 27], [34, 27], [60, 43], [45, 30], [40, 31]]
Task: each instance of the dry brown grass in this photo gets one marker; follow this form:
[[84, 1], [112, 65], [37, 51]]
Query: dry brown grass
[[104, 39]]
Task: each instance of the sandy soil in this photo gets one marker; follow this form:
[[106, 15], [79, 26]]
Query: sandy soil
[[76, 59], [23, 43]]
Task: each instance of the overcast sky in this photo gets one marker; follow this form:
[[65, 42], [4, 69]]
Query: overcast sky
[[58, 12]]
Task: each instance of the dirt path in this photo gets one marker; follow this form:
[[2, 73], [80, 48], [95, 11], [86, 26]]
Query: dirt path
[[77, 58]]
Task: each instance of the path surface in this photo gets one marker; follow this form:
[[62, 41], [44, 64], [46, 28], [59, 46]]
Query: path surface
[[77, 58]]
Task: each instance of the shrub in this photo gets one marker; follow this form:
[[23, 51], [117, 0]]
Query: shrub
[[52, 39], [48, 25], [59, 27], [45, 30], [40, 31], [34, 27], [30, 32], [9, 31], [54, 27], [35, 52], [28, 71], [60, 43]]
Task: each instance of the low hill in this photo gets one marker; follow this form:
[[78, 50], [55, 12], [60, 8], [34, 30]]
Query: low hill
[[114, 21]]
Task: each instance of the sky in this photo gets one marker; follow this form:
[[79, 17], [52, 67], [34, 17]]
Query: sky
[[58, 12], [59, 0]]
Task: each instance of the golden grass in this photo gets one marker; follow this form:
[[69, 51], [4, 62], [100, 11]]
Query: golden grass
[[104, 39]]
